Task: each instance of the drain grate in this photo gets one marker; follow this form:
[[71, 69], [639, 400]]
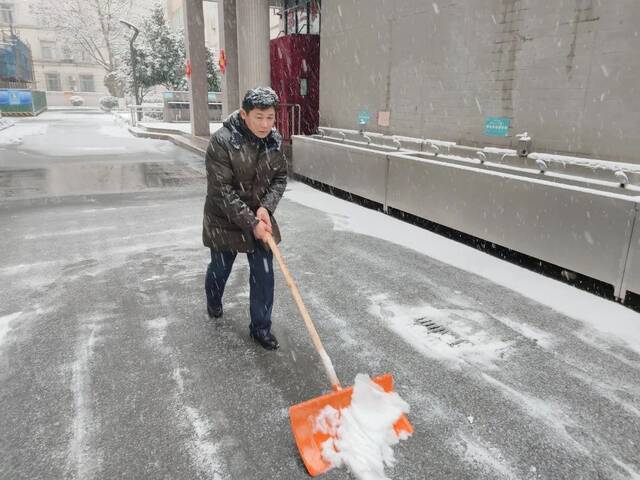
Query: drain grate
[[432, 326], [437, 329]]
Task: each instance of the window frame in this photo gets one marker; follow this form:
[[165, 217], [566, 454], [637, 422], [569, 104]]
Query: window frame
[[83, 78], [292, 8], [48, 46], [8, 10], [48, 76]]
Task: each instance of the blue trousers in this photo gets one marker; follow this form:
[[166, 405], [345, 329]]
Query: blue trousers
[[261, 284]]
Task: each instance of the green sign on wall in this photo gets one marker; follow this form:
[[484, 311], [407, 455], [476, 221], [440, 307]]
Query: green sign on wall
[[363, 117], [497, 126]]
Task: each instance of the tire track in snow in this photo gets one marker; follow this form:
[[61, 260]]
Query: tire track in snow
[[203, 447], [543, 411], [490, 458], [84, 460]]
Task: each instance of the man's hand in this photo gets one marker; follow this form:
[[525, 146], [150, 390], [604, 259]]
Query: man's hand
[[262, 231], [262, 214]]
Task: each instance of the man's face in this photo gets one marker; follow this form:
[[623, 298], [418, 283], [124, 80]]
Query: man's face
[[260, 122]]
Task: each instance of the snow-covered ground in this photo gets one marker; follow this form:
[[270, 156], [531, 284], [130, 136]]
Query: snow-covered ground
[[43, 135], [178, 127], [112, 370], [612, 319]]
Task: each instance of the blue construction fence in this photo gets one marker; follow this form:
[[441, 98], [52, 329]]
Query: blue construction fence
[[15, 60], [16, 102]]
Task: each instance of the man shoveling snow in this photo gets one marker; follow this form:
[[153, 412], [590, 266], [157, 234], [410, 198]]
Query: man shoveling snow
[[360, 423]]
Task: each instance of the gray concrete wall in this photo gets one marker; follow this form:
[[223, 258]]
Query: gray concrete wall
[[566, 71], [587, 227]]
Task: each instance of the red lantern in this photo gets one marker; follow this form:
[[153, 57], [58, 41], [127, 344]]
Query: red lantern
[[222, 61], [187, 70]]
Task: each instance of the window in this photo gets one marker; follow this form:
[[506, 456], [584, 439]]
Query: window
[[303, 24], [302, 16], [291, 21], [6, 13], [87, 84], [314, 17], [48, 50], [53, 82]]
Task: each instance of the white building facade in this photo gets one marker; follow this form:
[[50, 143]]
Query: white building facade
[[56, 70]]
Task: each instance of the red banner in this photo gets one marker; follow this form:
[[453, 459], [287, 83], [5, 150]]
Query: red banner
[[222, 62]]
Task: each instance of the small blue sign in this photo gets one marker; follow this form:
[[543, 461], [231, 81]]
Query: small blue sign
[[497, 126], [363, 117], [212, 97]]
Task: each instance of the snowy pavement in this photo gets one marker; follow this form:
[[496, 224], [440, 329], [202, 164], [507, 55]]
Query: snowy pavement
[[110, 368]]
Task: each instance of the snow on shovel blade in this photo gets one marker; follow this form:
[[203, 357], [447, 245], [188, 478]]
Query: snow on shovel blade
[[303, 417]]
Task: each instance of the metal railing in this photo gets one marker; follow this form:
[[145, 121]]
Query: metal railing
[[145, 112], [178, 111]]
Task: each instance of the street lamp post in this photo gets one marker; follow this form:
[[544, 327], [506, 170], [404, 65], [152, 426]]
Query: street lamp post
[[132, 51]]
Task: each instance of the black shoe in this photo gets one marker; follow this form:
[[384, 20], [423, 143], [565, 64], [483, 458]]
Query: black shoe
[[268, 341], [215, 312]]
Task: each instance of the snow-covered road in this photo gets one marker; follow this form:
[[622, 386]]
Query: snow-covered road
[[109, 367]]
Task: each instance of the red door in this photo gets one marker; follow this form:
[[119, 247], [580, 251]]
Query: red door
[[295, 76]]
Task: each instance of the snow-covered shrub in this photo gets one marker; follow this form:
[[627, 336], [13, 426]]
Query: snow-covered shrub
[[76, 101], [108, 103]]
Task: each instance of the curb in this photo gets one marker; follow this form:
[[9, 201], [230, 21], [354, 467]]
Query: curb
[[176, 139]]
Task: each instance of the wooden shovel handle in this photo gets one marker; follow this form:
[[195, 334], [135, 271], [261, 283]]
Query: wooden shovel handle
[[326, 361]]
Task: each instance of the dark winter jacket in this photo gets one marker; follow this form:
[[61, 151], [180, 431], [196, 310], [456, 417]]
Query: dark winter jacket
[[244, 173]]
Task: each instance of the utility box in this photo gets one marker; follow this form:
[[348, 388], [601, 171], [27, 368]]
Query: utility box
[[22, 103]]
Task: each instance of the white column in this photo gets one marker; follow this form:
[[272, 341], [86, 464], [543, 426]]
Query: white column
[[253, 44], [228, 28], [198, 87]]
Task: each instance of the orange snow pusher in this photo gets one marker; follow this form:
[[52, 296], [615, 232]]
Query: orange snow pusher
[[303, 415]]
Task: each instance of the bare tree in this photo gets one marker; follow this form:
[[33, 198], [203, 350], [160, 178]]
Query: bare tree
[[89, 26]]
